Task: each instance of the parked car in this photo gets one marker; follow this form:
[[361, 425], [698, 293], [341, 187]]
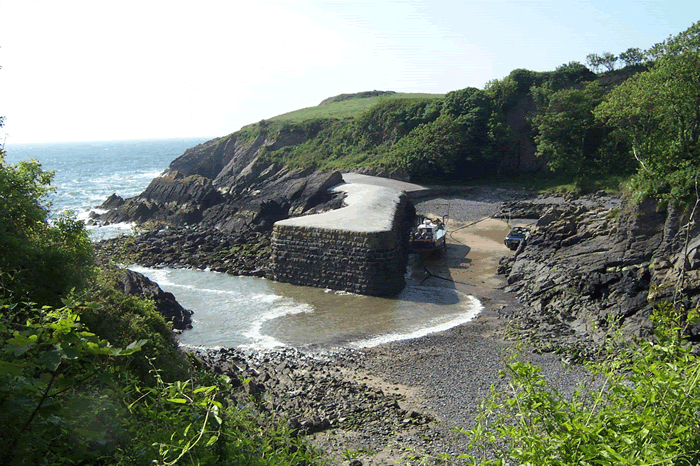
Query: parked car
[[516, 236]]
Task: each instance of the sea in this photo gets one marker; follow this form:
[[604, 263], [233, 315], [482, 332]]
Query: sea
[[240, 312]]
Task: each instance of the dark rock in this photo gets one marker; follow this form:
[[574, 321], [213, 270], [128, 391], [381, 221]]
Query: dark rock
[[112, 202], [583, 271], [523, 209], [311, 394], [134, 283], [222, 184]]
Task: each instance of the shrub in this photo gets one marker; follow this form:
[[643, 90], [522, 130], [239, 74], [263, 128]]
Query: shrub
[[643, 408]]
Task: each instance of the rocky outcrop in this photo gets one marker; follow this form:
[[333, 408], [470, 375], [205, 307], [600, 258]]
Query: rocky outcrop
[[225, 185], [216, 204], [238, 253], [134, 283], [591, 266]]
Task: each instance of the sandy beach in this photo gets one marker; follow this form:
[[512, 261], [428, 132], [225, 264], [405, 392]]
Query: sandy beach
[[448, 374]]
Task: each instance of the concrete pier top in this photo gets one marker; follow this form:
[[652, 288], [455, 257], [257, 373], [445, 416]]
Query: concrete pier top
[[369, 209]]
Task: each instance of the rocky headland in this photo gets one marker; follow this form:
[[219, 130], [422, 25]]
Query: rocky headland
[[215, 207]]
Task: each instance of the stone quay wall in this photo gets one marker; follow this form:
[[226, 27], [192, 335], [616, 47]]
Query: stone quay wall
[[358, 260]]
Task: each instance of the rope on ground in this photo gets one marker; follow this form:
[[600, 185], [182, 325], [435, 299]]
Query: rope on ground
[[431, 274], [466, 226]]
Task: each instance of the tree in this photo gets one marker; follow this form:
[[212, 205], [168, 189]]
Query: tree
[[688, 40], [608, 61], [570, 138], [595, 61], [570, 74], [658, 114], [41, 261], [431, 149], [632, 56], [458, 102]]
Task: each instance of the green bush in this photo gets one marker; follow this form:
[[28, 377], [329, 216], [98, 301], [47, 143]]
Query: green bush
[[41, 261], [642, 408], [197, 421], [54, 385]]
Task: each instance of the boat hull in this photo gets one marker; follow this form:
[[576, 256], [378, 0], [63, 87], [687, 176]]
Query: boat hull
[[424, 246]]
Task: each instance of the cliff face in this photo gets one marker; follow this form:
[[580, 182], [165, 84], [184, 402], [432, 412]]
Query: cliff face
[[591, 265], [224, 185]]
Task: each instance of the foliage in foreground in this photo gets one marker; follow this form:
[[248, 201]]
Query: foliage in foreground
[[89, 375], [65, 399], [641, 408]]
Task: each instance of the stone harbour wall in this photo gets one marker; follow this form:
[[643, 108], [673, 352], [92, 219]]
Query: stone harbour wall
[[363, 262]]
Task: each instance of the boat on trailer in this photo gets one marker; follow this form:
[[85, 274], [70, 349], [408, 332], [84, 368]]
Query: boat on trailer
[[428, 236]]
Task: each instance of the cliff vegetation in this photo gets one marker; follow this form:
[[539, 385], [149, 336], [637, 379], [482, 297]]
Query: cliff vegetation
[[571, 125]]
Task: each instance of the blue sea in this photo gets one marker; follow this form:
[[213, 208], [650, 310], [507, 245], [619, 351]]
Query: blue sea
[[86, 173], [242, 312]]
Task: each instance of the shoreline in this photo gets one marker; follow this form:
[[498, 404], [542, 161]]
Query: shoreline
[[446, 375], [404, 397], [380, 405]]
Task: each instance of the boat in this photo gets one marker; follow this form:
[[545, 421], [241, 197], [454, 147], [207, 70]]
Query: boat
[[516, 236], [428, 235]]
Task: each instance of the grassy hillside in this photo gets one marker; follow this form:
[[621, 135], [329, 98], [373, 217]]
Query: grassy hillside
[[467, 134], [346, 106]]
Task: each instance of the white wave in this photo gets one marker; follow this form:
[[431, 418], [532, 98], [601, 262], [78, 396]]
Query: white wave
[[159, 276], [99, 232], [265, 298], [259, 341], [340, 292], [474, 305]]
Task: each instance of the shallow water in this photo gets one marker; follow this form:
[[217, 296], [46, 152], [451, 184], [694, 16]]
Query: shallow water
[[255, 313]]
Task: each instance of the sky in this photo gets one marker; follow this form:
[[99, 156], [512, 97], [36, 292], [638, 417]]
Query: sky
[[87, 70]]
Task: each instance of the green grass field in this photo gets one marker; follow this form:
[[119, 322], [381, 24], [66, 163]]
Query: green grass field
[[345, 109]]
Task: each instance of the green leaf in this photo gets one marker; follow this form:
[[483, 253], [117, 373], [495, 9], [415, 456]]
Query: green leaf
[[205, 389], [8, 368], [136, 345], [212, 440], [177, 400], [51, 360]]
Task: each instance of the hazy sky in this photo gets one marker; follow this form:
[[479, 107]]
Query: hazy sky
[[75, 70]]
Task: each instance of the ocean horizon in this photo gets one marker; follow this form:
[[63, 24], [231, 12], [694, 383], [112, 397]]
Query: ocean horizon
[[87, 173]]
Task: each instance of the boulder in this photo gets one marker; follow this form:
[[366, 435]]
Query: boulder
[[134, 283], [112, 202]]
